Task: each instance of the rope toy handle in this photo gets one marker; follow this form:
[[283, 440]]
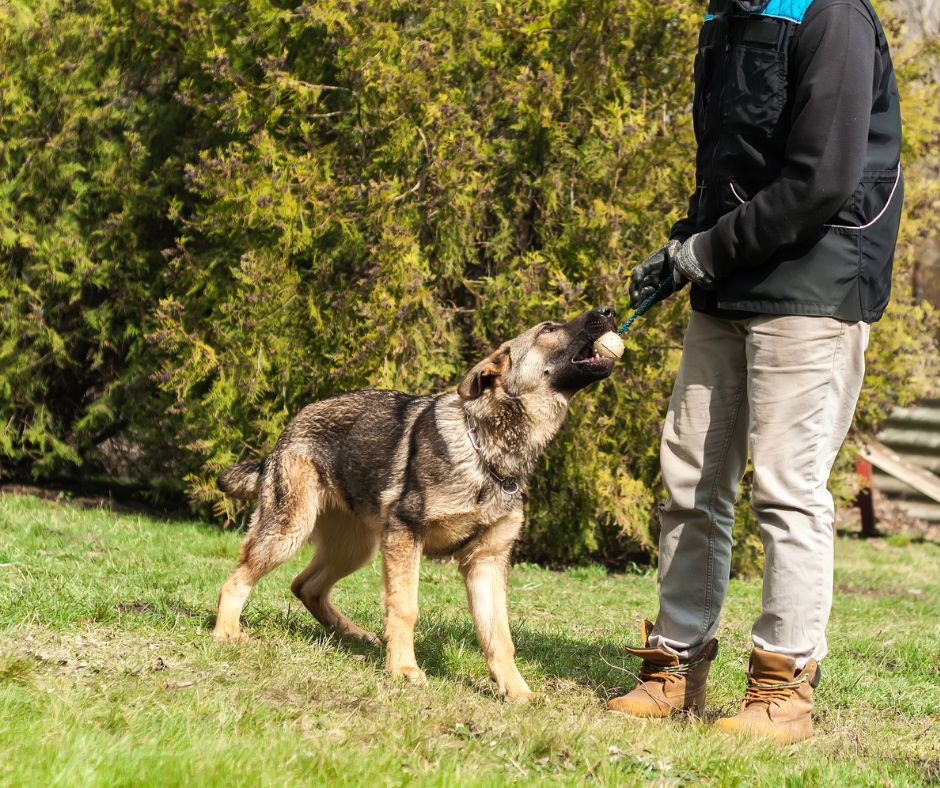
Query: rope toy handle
[[643, 308]]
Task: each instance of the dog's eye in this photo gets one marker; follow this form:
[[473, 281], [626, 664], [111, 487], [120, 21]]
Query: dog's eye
[[548, 328]]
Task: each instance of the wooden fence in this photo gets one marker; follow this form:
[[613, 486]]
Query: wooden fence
[[913, 435]]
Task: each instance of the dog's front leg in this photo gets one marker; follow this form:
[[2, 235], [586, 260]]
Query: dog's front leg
[[486, 591], [401, 560]]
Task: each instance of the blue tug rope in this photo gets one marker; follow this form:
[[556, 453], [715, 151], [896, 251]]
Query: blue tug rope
[[643, 308]]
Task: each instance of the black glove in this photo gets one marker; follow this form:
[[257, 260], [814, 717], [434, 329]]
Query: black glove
[[646, 278], [674, 258]]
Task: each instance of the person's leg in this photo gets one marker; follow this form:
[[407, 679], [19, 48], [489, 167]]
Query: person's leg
[[805, 374], [703, 456]]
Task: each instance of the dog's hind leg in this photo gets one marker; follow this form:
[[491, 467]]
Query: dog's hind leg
[[343, 544], [288, 504]]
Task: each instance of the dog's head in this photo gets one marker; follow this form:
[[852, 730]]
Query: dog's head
[[555, 358]]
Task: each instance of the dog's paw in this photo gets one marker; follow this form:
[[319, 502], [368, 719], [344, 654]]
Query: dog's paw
[[365, 637], [413, 673], [512, 687], [229, 635], [518, 696]]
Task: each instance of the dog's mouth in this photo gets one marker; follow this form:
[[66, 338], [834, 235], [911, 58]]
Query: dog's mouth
[[580, 366], [590, 358]]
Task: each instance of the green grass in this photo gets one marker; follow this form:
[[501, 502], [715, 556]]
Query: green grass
[[108, 673]]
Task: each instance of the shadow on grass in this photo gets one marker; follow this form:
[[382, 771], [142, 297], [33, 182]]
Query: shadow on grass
[[111, 496], [552, 660], [600, 666]]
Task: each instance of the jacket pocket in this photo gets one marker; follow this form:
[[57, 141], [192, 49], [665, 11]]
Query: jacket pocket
[[844, 269], [870, 219], [872, 199], [755, 91]]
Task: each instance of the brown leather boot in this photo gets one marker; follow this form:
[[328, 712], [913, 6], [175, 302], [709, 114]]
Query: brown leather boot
[[779, 700], [667, 684]]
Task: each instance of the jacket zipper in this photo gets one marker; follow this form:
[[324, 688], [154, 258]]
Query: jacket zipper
[[721, 100]]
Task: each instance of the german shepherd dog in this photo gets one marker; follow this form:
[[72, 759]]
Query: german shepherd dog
[[443, 476]]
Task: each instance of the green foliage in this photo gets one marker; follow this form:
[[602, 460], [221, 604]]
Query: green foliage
[[211, 214], [86, 172]]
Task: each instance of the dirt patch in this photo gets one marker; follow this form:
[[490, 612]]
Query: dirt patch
[[850, 589], [890, 519], [135, 607], [98, 653], [188, 612]]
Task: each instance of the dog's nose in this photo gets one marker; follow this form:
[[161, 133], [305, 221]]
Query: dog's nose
[[605, 311]]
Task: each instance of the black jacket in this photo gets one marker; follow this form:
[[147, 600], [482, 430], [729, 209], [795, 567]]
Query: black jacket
[[798, 167]]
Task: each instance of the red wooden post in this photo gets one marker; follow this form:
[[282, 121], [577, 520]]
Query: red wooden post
[[864, 501]]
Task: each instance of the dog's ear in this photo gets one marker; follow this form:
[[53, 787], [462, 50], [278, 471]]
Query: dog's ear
[[484, 374]]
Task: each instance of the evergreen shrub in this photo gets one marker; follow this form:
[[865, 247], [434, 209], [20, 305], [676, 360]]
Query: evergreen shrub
[[212, 213]]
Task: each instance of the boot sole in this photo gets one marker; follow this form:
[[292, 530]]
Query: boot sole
[[656, 714], [785, 733]]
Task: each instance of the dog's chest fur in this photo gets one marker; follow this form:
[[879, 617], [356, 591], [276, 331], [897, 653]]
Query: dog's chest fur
[[444, 490], [456, 521]]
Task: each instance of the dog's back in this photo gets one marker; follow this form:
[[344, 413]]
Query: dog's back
[[355, 441]]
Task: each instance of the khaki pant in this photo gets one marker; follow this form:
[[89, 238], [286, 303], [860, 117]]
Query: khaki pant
[[785, 388]]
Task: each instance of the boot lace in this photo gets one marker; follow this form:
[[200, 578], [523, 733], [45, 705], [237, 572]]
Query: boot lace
[[668, 673], [771, 694]]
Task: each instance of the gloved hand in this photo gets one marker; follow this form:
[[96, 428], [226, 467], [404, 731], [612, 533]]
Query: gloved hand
[[646, 278], [688, 268], [674, 258]]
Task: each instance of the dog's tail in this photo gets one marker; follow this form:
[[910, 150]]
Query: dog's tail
[[241, 481]]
